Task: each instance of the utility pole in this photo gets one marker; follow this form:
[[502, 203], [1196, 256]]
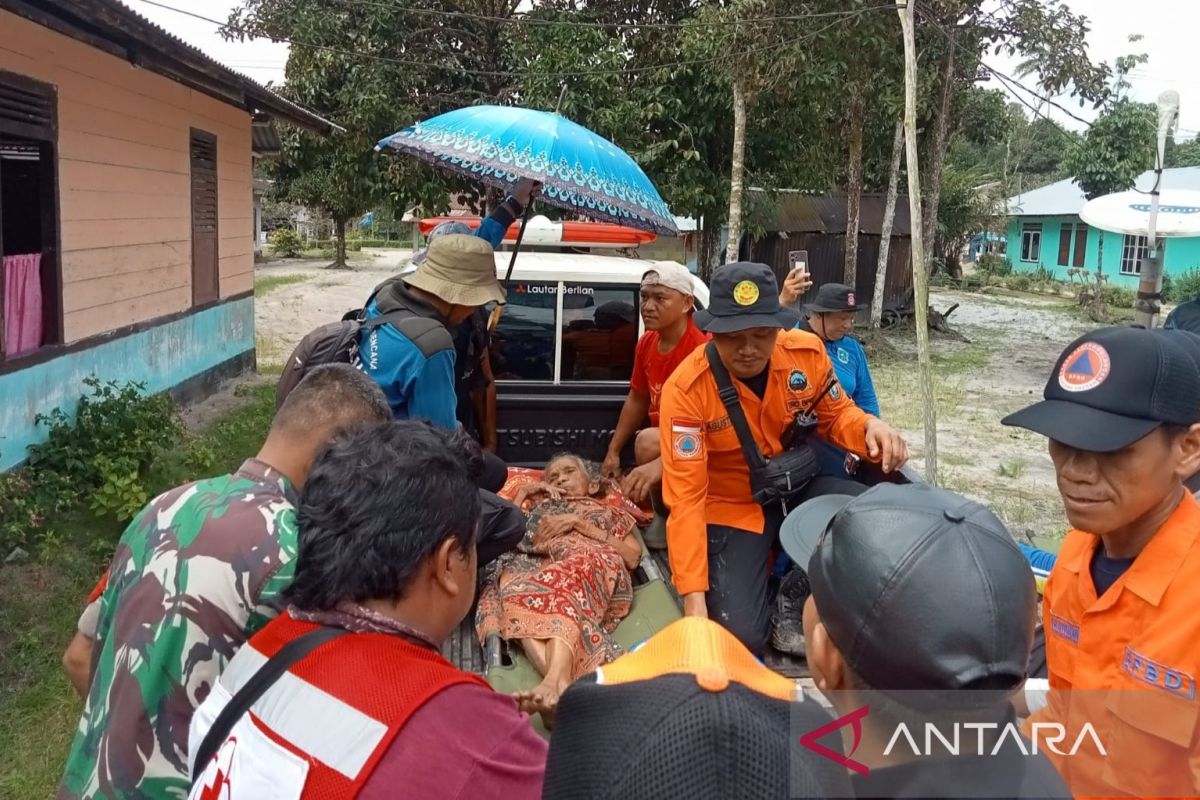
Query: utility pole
[[1150, 285], [907, 10]]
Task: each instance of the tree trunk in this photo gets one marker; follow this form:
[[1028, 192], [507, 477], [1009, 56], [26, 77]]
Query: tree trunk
[[737, 173], [885, 233], [339, 248], [907, 11], [854, 187], [937, 158], [708, 243]]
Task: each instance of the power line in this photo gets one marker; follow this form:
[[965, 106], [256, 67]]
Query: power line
[[507, 73]]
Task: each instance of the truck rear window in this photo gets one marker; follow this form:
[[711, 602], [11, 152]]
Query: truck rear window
[[596, 325]]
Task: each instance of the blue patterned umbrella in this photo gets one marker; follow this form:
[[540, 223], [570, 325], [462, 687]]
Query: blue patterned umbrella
[[579, 170]]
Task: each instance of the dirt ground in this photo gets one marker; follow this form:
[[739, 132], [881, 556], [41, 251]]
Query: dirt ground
[[1012, 342], [1009, 345], [284, 315]]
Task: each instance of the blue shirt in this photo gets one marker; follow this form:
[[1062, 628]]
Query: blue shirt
[[850, 365], [418, 378]]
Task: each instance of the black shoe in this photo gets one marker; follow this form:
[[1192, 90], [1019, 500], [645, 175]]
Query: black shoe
[[787, 626]]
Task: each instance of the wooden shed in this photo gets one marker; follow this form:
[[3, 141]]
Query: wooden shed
[[797, 220]]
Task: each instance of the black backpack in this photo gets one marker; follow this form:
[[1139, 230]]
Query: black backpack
[[331, 343]]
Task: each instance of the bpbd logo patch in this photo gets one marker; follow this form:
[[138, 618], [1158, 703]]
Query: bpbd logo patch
[[1064, 629], [797, 381], [1157, 674]]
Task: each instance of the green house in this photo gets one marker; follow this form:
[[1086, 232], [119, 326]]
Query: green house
[[1045, 232]]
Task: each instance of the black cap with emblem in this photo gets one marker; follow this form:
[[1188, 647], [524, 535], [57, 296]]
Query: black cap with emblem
[[743, 296], [1112, 387], [833, 298]]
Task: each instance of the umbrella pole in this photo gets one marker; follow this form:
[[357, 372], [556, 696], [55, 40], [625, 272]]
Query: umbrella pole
[[494, 319]]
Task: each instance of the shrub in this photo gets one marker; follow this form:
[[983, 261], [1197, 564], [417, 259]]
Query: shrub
[[104, 454], [992, 264], [1119, 297], [1019, 283], [1185, 285], [285, 243]]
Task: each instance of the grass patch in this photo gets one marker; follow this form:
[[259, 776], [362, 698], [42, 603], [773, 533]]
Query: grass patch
[[269, 283], [42, 599], [898, 385]]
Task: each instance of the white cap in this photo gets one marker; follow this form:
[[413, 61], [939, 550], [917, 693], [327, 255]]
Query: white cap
[[670, 274]]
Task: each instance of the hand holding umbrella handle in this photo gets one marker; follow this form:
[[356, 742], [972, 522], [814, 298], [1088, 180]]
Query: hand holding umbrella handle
[[494, 319]]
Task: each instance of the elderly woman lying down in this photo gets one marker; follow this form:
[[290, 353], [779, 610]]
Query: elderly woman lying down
[[563, 590]]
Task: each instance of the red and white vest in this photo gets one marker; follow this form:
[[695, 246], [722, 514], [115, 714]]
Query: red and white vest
[[320, 730]]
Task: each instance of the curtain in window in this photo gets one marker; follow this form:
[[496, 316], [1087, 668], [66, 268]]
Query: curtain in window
[[22, 304]]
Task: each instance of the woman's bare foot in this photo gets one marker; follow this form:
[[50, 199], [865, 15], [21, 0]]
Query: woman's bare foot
[[543, 699]]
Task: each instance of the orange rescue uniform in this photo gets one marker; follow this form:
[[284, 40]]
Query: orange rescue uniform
[[1140, 642], [705, 477]]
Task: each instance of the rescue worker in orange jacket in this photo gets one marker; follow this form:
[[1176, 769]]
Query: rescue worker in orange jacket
[[719, 539], [1122, 413]]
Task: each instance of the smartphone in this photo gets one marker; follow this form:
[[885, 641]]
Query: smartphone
[[799, 261], [852, 462]]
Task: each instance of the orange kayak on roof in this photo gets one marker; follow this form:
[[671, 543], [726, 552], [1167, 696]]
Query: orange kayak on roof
[[542, 231]]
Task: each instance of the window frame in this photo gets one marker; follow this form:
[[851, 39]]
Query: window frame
[[559, 303], [1141, 249], [46, 136], [1031, 229]]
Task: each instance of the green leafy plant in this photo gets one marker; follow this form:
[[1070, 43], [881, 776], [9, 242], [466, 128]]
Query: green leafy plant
[[1119, 297], [285, 243], [994, 265], [1019, 283], [1185, 285], [104, 453]]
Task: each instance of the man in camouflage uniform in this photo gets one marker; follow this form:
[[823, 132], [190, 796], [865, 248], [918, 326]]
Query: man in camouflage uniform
[[196, 574]]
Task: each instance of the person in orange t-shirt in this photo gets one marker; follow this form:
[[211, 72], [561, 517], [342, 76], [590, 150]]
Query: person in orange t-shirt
[[719, 539], [667, 302], [1122, 412]]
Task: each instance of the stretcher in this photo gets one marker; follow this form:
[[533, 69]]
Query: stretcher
[[655, 605]]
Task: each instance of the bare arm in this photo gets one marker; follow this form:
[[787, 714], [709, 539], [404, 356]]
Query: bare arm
[[77, 662], [635, 409]]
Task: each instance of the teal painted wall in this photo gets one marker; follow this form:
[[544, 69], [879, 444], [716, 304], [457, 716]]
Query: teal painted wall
[[1181, 254], [162, 357]]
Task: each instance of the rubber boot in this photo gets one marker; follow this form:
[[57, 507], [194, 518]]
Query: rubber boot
[[655, 534]]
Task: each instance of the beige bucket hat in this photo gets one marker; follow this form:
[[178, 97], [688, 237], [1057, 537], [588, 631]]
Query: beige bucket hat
[[459, 269]]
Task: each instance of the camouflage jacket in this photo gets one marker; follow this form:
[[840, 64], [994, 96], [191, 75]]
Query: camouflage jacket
[[197, 572]]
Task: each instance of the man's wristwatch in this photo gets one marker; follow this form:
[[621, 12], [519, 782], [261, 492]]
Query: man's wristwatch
[[514, 206]]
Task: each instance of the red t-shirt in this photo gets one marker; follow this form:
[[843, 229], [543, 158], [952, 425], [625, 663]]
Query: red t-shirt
[[652, 368]]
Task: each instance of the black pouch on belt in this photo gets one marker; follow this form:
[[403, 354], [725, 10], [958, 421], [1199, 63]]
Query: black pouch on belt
[[781, 478]]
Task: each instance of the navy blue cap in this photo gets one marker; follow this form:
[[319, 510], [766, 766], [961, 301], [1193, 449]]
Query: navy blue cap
[[1112, 387], [744, 295]]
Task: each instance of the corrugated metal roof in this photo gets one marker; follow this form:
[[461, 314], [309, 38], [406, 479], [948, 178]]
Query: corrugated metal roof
[[1065, 198], [114, 27], [791, 211]]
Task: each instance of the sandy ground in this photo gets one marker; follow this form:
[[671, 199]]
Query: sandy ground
[[1011, 344], [285, 314]]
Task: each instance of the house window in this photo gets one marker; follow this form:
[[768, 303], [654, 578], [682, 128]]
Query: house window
[[1133, 250], [1069, 233], [30, 288], [205, 275], [566, 332], [1031, 242]]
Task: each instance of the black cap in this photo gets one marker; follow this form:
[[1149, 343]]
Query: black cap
[[1112, 387], [832, 298], [668, 737], [1185, 317], [741, 296], [1186, 339], [919, 588]]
